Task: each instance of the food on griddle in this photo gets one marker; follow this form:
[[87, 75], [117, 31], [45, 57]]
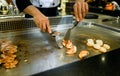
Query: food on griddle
[[96, 46], [102, 49], [9, 49], [90, 42], [10, 64], [67, 43], [8, 56], [25, 60], [99, 42], [106, 46], [83, 54], [64, 42], [4, 43], [71, 50], [7, 60]]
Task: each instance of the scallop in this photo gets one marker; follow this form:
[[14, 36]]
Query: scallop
[[100, 42], [96, 46], [102, 49], [90, 42], [106, 46]]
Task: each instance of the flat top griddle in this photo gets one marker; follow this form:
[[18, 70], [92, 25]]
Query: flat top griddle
[[41, 51]]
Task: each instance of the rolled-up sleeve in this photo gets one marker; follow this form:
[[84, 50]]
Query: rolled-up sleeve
[[22, 4]]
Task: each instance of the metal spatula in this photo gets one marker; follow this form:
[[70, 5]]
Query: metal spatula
[[67, 36]]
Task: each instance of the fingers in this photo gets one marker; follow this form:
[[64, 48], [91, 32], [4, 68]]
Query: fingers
[[80, 10], [77, 12], [83, 10], [43, 24], [86, 8], [44, 27], [49, 28]]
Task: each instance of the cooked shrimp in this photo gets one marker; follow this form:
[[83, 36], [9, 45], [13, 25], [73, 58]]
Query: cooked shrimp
[[10, 65], [64, 42], [11, 49], [67, 43], [8, 56], [4, 43], [8, 59], [71, 50], [83, 54]]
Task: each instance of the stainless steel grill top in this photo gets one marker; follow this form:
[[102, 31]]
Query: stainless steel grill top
[[41, 50]]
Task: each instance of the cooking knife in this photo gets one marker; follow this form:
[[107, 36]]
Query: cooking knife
[[67, 35]]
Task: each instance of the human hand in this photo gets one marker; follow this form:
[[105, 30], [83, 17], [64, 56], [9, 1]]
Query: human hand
[[80, 9], [42, 22]]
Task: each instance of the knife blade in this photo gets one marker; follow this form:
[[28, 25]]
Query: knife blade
[[67, 35], [56, 37]]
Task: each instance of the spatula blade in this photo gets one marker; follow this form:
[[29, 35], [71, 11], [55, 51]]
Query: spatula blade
[[67, 36]]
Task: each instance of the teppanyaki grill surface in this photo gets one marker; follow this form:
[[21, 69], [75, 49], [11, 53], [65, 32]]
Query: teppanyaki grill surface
[[106, 64], [41, 50]]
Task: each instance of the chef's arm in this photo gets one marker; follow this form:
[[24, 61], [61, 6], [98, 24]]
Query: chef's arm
[[27, 7], [80, 9], [40, 20]]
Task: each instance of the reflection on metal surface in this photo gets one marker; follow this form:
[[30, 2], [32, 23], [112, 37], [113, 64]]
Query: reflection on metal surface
[[103, 59]]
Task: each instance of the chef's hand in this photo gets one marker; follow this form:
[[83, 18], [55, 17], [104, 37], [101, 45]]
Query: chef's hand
[[80, 9], [43, 23], [40, 19]]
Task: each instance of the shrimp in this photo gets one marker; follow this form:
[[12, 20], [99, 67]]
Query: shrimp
[[7, 54], [10, 64], [83, 54], [71, 50], [67, 43]]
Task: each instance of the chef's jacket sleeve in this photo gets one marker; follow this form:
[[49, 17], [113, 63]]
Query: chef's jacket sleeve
[[22, 4]]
